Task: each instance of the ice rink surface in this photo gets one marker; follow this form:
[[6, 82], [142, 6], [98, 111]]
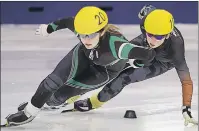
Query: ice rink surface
[[27, 59]]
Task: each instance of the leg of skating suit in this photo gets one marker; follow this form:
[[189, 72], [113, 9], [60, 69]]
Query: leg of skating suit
[[132, 75], [59, 76], [74, 75], [92, 78]]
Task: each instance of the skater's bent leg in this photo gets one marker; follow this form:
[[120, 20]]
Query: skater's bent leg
[[64, 93], [132, 75], [47, 87], [53, 81], [114, 87]]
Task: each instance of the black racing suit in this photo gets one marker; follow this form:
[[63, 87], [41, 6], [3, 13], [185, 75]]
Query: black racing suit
[[171, 54], [82, 70]]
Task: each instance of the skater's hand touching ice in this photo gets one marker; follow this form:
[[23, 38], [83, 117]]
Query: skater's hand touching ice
[[186, 111], [83, 105], [88, 104]]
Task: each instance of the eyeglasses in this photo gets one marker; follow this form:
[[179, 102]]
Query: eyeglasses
[[158, 37], [90, 36]]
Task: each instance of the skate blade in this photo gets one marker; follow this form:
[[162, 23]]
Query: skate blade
[[69, 110], [7, 125]]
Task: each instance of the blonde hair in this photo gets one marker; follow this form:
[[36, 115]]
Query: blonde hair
[[111, 28]]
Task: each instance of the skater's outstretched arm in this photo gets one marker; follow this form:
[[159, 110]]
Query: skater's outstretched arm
[[182, 70], [64, 23], [61, 24], [122, 49]]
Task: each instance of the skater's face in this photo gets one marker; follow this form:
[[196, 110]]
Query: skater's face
[[155, 41], [90, 41]]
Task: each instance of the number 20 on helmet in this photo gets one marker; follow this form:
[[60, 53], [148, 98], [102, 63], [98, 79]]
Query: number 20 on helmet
[[90, 19]]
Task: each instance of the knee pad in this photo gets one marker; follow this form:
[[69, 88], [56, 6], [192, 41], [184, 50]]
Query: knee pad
[[53, 82]]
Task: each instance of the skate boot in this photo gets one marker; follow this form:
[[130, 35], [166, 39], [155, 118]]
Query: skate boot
[[27, 112]]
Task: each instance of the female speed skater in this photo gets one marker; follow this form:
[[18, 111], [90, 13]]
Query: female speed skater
[[103, 52], [158, 32]]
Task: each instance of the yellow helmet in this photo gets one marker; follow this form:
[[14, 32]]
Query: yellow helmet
[[159, 22], [90, 19]]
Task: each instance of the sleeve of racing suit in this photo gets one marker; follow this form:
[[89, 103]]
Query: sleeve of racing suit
[[122, 49], [61, 24], [182, 70]]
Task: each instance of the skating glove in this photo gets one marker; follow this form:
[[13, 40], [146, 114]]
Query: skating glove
[[88, 104], [42, 30], [186, 112]]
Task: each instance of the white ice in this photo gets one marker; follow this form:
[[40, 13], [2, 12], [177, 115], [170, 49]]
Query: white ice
[[26, 59]]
